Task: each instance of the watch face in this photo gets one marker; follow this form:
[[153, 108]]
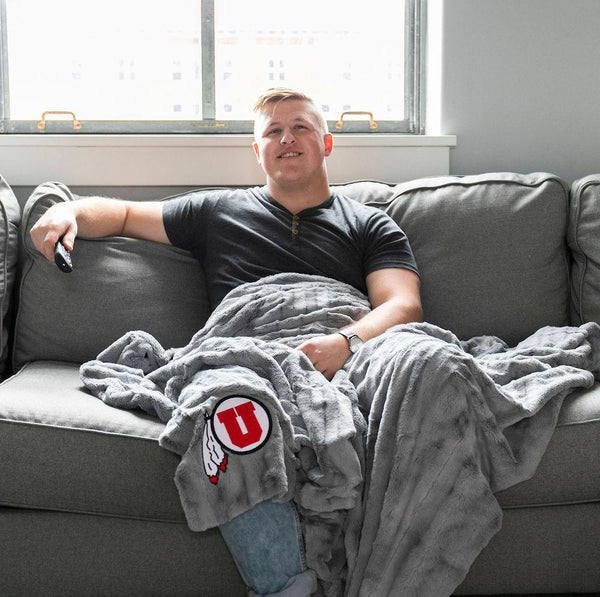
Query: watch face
[[354, 342]]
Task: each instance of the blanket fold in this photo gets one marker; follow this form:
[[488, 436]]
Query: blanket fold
[[393, 465]]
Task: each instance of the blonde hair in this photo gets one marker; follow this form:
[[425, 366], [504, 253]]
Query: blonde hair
[[276, 95]]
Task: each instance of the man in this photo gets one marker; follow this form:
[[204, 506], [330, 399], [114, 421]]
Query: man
[[293, 224]]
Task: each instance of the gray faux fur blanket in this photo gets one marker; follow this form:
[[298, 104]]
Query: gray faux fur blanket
[[393, 465]]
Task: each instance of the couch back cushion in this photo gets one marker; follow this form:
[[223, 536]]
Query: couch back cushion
[[370, 192], [491, 251], [490, 248], [117, 285], [584, 242], [10, 217]]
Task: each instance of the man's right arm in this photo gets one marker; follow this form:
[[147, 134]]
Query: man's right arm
[[96, 217]]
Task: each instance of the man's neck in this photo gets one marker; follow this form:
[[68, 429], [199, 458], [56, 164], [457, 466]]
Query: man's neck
[[297, 200]]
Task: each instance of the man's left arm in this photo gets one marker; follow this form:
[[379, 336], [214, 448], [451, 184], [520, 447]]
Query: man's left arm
[[395, 298]]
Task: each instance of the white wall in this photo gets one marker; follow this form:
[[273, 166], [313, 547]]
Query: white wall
[[521, 85]]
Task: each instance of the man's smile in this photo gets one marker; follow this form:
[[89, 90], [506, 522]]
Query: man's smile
[[290, 154]]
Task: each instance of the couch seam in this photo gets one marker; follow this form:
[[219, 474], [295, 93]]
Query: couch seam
[[18, 314], [552, 504], [3, 302], [579, 282], [456, 181], [590, 183], [573, 423], [568, 257], [576, 200], [15, 374], [91, 513], [79, 429]]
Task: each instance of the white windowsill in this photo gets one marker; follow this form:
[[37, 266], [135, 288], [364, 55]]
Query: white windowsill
[[152, 160], [87, 140]]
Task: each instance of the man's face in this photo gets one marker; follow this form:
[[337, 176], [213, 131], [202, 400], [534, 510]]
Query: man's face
[[291, 145]]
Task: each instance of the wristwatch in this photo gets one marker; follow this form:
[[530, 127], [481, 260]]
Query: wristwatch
[[354, 342]]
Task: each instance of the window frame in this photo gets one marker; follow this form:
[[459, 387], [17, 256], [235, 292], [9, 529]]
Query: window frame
[[414, 91]]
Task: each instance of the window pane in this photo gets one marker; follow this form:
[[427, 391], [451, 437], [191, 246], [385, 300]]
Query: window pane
[[138, 64], [347, 55], [109, 60]]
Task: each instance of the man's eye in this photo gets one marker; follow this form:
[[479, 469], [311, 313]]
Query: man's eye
[[274, 132]]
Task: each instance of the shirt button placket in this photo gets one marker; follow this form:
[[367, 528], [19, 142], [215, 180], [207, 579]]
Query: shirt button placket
[[295, 226]]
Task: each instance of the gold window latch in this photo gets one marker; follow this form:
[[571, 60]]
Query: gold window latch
[[42, 123], [339, 125]]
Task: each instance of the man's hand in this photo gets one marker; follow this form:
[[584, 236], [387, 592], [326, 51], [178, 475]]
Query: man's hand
[[395, 299], [57, 222], [328, 354]]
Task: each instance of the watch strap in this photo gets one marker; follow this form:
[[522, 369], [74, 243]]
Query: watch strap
[[354, 341]]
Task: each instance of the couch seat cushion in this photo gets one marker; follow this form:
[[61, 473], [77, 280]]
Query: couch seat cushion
[[569, 472], [64, 449], [70, 451]]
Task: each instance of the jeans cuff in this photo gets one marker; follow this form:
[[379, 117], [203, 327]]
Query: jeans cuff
[[301, 585]]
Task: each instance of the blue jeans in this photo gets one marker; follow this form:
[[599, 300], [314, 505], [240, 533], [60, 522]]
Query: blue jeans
[[267, 546]]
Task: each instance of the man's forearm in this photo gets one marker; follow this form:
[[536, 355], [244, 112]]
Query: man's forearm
[[95, 217], [91, 217], [98, 216], [393, 312]]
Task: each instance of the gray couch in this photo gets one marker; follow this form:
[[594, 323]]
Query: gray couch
[[87, 500]]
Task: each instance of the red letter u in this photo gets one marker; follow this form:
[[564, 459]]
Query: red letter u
[[230, 420]]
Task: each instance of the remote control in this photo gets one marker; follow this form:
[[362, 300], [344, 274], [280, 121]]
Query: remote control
[[62, 258]]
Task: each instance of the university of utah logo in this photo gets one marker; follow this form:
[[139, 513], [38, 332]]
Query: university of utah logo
[[237, 425]]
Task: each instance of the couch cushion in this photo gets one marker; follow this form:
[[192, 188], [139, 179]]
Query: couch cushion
[[584, 242], [491, 251], [10, 217], [101, 460], [569, 472], [81, 455], [117, 285], [60, 554], [366, 191]]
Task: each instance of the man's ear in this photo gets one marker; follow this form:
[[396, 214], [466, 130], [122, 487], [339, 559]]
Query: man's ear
[[328, 141], [256, 151]]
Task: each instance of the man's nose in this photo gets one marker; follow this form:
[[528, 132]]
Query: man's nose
[[287, 137]]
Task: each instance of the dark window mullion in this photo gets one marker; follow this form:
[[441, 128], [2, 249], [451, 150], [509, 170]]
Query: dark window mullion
[[208, 60]]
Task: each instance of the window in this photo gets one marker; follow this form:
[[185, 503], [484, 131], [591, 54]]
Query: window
[[124, 66]]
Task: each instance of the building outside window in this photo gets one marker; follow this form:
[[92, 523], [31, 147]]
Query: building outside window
[[133, 66]]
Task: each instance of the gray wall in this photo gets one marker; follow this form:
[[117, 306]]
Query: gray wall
[[521, 85]]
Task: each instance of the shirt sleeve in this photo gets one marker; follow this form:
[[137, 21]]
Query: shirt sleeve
[[386, 245], [184, 218]]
